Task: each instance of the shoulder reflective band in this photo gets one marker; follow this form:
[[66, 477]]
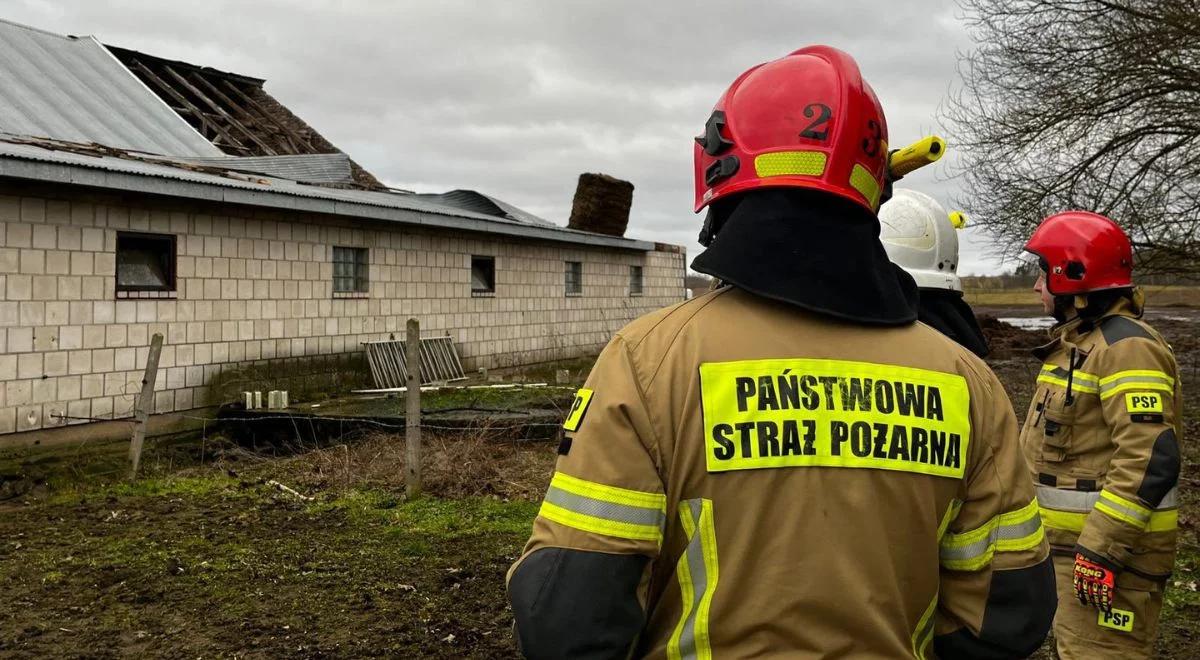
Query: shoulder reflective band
[[583, 398], [1143, 402], [697, 572], [1117, 620], [1014, 531], [607, 510], [1068, 509], [834, 413], [1135, 380], [1081, 381]]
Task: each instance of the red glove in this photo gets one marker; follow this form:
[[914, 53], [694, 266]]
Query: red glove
[[1093, 583]]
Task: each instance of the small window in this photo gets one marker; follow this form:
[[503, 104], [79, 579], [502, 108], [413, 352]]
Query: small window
[[574, 278], [145, 262], [635, 280], [350, 270], [483, 276]]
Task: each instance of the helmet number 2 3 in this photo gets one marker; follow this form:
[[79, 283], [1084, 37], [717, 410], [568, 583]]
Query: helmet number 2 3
[[819, 128], [870, 144]]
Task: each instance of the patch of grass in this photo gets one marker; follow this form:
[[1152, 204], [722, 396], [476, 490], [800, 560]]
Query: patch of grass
[[158, 486], [434, 517]]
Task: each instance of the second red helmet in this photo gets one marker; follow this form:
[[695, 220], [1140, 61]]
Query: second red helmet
[[806, 120], [1082, 252]]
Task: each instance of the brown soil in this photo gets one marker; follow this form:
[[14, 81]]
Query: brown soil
[[1009, 341]]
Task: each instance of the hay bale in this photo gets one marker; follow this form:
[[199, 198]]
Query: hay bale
[[601, 204]]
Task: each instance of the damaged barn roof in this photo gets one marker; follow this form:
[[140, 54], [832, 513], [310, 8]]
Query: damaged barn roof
[[233, 111], [78, 112], [111, 169], [72, 88]]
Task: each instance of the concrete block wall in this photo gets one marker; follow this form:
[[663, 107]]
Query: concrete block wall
[[254, 286]]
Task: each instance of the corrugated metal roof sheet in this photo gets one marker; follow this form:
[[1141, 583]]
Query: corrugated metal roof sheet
[[72, 88], [306, 168], [476, 202], [18, 160]]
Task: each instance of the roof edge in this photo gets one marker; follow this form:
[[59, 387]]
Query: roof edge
[[70, 174]]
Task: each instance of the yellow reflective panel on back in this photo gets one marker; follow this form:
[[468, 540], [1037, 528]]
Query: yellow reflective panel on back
[[578, 409], [834, 413]]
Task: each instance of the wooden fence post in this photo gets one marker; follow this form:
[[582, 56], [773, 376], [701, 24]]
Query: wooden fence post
[[145, 402], [412, 416]]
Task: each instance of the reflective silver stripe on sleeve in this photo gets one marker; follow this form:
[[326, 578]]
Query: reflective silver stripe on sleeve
[[607, 510], [1082, 502]]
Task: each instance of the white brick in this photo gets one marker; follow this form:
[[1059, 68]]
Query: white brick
[[55, 364], [91, 385], [20, 235], [69, 238], [45, 237], [29, 365], [10, 260], [104, 312], [57, 313], [81, 263], [19, 287], [125, 359]]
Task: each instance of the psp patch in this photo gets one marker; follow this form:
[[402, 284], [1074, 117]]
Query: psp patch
[[1121, 620], [579, 407], [1143, 402], [834, 413]]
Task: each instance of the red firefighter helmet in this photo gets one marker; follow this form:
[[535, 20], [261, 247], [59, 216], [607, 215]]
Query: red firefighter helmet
[[807, 120], [1082, 252]]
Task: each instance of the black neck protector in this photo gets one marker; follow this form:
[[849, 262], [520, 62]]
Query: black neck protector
[[810, 249]]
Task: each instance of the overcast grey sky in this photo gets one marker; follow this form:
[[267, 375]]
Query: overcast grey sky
[[515, 98]]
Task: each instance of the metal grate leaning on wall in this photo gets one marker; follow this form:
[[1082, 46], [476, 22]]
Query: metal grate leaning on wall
[[439, 362]]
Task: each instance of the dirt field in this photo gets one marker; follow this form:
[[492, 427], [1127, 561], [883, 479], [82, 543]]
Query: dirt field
[[207, 557]]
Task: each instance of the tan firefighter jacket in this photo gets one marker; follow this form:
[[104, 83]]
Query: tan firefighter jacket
[[1102, 438], [802, 487]]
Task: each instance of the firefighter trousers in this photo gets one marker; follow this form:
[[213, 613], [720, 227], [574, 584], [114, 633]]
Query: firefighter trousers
[[1128, 633]]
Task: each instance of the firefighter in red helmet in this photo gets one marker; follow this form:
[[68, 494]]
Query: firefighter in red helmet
[[790, 465], [1102, 438]]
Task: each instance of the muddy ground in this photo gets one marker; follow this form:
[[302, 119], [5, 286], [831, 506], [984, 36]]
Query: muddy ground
[[207, 556]]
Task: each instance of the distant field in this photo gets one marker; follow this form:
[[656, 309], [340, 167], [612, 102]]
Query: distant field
[[1156, 296]]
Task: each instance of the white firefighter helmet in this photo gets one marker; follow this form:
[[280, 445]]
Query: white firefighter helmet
[[922, 238]]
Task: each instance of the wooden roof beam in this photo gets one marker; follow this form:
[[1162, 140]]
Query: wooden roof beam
[[220, 111], [182, 100]]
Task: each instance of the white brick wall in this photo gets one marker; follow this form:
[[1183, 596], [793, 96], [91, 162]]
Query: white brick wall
[[256, 286]]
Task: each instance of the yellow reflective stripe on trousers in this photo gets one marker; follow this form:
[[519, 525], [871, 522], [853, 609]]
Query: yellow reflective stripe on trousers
[[601, 509], [1013, 531], [1135, 379], [1068, 509], [697, 572], [923, 635]]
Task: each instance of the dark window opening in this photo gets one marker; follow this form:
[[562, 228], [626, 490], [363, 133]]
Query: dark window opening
[[635, 280], [574, 278], [350, 270], [145, 262], [483, 275]]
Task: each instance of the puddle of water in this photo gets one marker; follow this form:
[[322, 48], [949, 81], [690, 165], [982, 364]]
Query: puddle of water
[[1028, 322]]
